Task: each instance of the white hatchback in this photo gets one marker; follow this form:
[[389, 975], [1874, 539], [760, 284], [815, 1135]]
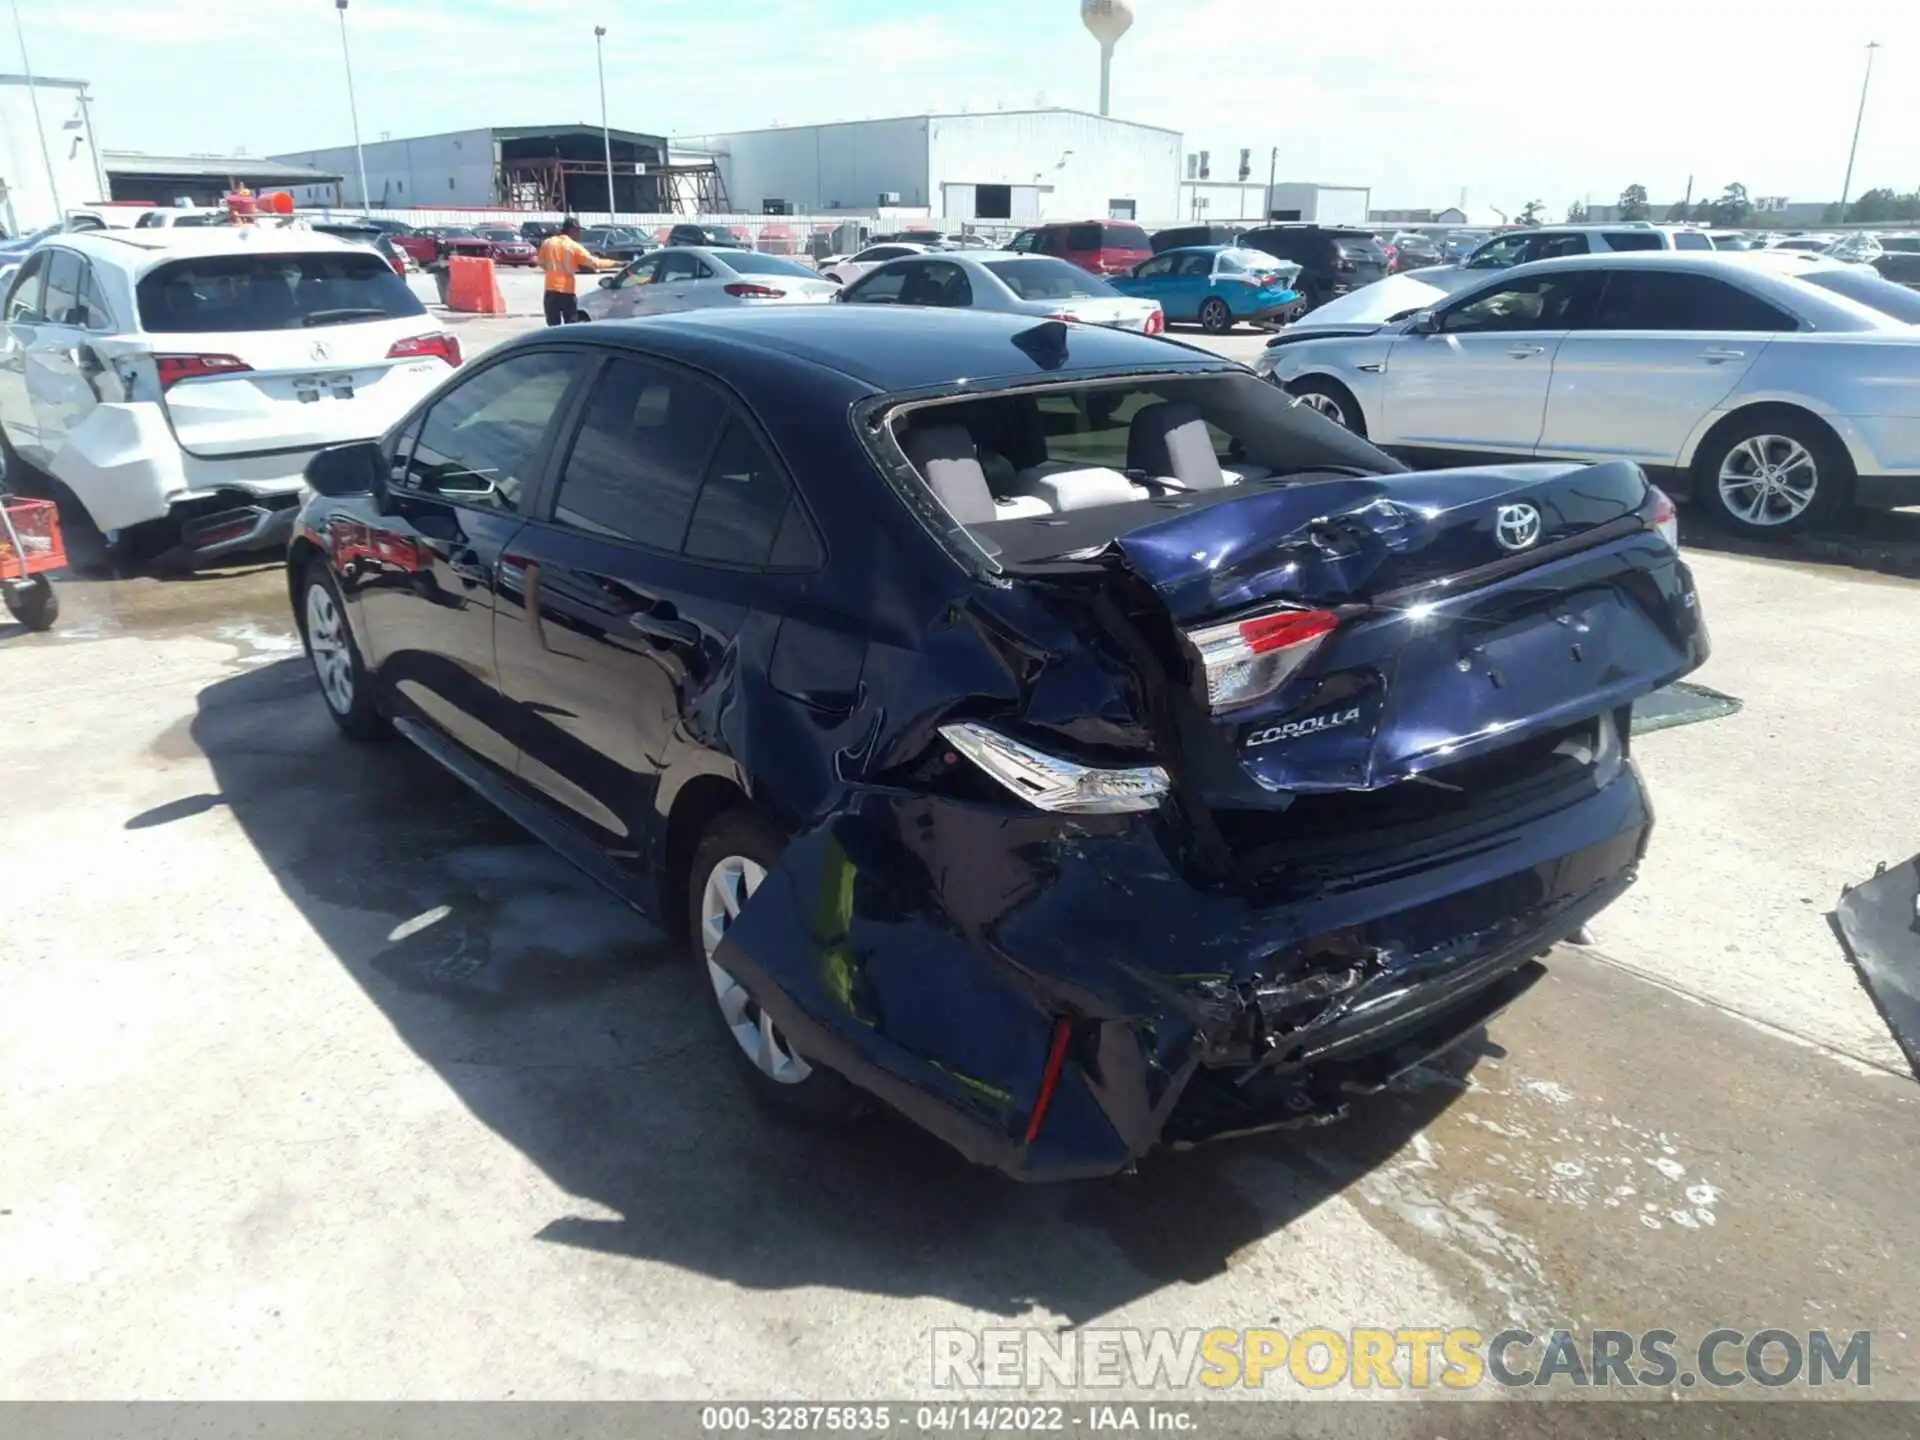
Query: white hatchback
[[176, 381]]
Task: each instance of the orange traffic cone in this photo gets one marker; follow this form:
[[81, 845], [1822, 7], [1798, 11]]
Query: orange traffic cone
[[473, 287]]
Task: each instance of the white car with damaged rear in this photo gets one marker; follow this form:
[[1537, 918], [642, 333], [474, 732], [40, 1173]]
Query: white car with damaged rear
[[1013, 284], [703, 278], [1776, 389], [174, 382]]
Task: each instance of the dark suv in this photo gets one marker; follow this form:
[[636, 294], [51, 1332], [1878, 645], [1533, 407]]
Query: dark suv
[[1105, 247], [716, 237], [1183, 236], [1332, 260], [1053, 732]]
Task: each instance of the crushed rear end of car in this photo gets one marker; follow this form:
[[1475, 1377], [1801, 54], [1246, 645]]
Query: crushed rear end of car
[[1201, 825]]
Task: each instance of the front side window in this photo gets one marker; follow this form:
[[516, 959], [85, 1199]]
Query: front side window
[[682, 266], [937, 284], [884, 286], [479, 441], [642, 272], [1498, 254], [643, 446], [1151, 270], [1670, 300], [1195, 264], [1026, 240], [1552, 247], [1539, 302]]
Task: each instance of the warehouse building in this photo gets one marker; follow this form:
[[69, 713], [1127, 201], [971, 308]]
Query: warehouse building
[[1017, 166], [40, 182], [135, 177], [525, 167]]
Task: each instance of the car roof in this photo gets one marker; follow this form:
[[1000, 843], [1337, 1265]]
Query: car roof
[[894, 349], [142, 250]]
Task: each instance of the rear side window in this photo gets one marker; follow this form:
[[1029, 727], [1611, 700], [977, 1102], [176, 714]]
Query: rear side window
[[1048, 279], [637, 462], [1083, 237], [1626, 240], [1890, 299], [741, 504], [478, 442], [214, 294], [1688, 240], [1668, 300], [1127, 237], [64, 281]]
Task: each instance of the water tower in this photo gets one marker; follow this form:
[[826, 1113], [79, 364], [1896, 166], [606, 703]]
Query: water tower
[[1108, 20]]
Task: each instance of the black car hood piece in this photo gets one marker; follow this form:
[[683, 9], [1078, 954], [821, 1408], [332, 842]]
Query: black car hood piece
[[1878, 923]]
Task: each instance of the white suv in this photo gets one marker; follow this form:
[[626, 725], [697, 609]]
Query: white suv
[[176, 381], [1554, 242]]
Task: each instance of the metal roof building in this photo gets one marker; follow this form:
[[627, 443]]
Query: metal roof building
[[202, 179], [527, 167]]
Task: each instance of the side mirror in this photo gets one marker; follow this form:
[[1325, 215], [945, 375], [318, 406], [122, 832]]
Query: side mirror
[[608, 282], [1425, 323], [341, 470]]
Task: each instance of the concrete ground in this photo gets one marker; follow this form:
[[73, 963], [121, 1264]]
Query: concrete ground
[[318, 1079]]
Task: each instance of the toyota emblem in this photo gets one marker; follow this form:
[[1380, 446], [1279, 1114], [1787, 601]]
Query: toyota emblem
[[320, 351], [1516, 527]]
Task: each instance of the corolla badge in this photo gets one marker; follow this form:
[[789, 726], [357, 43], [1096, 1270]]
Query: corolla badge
[[1312, 725], [1516, 527]]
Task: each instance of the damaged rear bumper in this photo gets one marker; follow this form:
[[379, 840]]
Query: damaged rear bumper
[[1052, 997]]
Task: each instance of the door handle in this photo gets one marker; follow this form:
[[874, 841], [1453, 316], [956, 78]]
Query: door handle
[[673, 632], [1526, 352], [468, 565], [1716, 355]]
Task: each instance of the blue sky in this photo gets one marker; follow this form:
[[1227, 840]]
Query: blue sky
[[1421, 101]]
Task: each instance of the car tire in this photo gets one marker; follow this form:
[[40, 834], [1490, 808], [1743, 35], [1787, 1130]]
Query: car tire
[[1216, 317], [1772, 474], [1331, 399], [733, 857], [345, 685], [35, 605]]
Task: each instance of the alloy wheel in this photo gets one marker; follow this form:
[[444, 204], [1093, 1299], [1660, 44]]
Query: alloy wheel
[[1326, 405], [327, 644], [729, 886], [1768, 480]]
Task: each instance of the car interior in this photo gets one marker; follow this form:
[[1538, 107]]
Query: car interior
[[1009, 467]]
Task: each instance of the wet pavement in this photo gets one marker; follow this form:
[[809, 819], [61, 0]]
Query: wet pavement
[[319, 1078]]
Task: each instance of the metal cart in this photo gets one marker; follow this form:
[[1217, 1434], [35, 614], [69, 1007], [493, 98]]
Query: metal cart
[[30, 550]]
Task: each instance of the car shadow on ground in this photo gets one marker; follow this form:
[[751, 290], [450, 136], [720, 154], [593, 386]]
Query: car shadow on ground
[[1883, 541], [582, 1038]]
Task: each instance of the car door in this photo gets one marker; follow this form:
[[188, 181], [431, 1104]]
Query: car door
[[1659, 350], [1191, 285], [463, 474], [635, 585], [671, 284], [1477, 382], [65, 375], [629, 293], [22, 322], [1153, 280]]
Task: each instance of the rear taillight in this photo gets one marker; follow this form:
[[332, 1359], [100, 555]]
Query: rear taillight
[[1250, 659], [442, 345], [1665, 518], [175, 368], [1157, 322], [755, 292], [1342, 264]]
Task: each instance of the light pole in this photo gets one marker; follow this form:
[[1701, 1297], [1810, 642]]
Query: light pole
[[1273, 173], [1846, 186], [353, 107], [33, 98], [606, 135]]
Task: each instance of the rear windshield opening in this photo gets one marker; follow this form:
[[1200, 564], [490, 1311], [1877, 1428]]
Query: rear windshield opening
[[212, 294], [1031, 474]]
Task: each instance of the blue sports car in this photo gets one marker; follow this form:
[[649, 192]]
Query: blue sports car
[[1216, 286], [1051, 732]]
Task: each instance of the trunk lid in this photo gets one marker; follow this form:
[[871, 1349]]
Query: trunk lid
[[1476, 608], [1120, 314]]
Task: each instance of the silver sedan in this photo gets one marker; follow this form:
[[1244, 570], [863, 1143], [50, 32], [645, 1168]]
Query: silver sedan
[[701, 277], [1774, 389], [1001, 280]]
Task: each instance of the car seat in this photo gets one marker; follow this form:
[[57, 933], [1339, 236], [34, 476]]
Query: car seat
[[1172, 440], [948, 460]]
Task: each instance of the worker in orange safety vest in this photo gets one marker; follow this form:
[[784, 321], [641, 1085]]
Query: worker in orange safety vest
[[562, 257]]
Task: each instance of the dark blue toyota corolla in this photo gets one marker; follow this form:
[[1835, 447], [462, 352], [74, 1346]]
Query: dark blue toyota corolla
[[1052, 732]]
